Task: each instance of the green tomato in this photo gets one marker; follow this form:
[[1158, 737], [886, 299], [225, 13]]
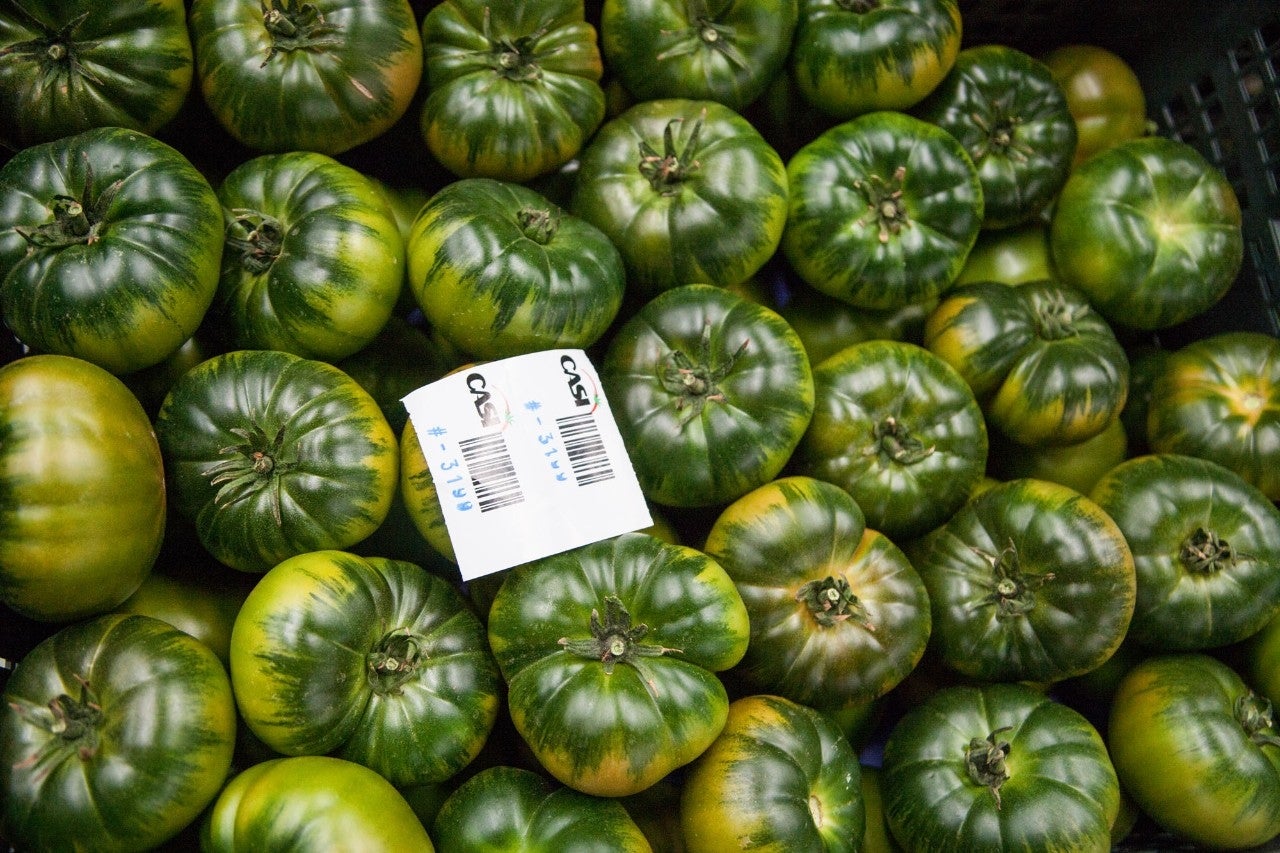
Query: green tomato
[[1078, 465], [137, 214], [1103, 93], [82, 489], [1000, 767], [883, 210], [780, 778], [1010, 255], [1262, 660], [610, 652], [115, 733]]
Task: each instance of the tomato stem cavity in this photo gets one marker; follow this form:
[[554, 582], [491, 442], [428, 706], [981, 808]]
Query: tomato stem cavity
[[885, 208], [253, 463], [1055, 318], [294, 25], [1012, 591], [703, 32], [831, 601], [393, 661], [54, 47], [514, 58], [860, 7], [696, 381], [1255, 715], [895, 440], [76, 221], [1205, 553], [666, 171], [1000, 134], [614, 639], [257, 237], [985, 761], [538, 224], [73, 721]]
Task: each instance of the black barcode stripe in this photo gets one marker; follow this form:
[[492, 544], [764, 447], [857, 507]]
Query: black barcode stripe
[[585, 449], [493, 476]]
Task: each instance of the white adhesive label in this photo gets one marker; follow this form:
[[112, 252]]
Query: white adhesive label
[[526, 458]]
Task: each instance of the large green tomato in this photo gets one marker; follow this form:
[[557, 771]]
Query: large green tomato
[[110, 243], [310, 804], [998, 767], [1150, 231], [719, 50], [71, 66], [1046, 367], [115, 733], [838, 615], [1197, 750], [1206, 546], [372, 660], [883, 210], [688, 190], [306, 75], [313, 261], [711, 392], [513, 89], [499, 271], [780, 778], [82, 489], [1029, 581], [273, 455], [610, 652], [898, 429], [519, 811], [853, 56]]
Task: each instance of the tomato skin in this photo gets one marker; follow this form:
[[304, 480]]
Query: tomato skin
[[780, 777], [1061, 791], [1103, 94], [513, 90], [605, 723], [687, 189], [193, 602], [151, 232], [499, 270], [510, 808], [883, 210], [1219, 398], [711, 392], [310, 461], [311, 802], [1078, 465], [72, 66], [1009, 255], [1189, 742], [898, 429], [847, 61], [1013, 575], [790, 544], [1150, 231], [79, 459], [1262, 660], [1010, 114], [1205, 545], [344, 76], [134, 767]]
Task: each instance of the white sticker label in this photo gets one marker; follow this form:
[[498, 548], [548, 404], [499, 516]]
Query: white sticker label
[[526, 458]]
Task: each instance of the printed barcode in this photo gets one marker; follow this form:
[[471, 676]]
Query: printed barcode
[[493, 477], [586, 451]]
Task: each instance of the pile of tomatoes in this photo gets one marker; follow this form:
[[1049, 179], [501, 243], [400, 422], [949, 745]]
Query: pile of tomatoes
[[948, 552]]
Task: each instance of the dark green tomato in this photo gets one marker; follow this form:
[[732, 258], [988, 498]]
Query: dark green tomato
[[1012, 117], [517, 810], [687, 189], [1046, 367], [610, 652], [313, 261], [513, 89], [110, 243], [780, 778], [838, 615], [273, 455], [1010, 256], [306, 75], [115, 733], [1150, 231], [1206, 547], [884, 210], [718, 50], [418, 491], [372, 660], [999, 767], [1078, 465], [82, 489], [856, 56], [66, 67], [1262, 660], [1029, 581], [202, 605], [711, 392], [1219, 398], [311, 803], [1197, 750], [499, 270], [898, 429], [401, 359]]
